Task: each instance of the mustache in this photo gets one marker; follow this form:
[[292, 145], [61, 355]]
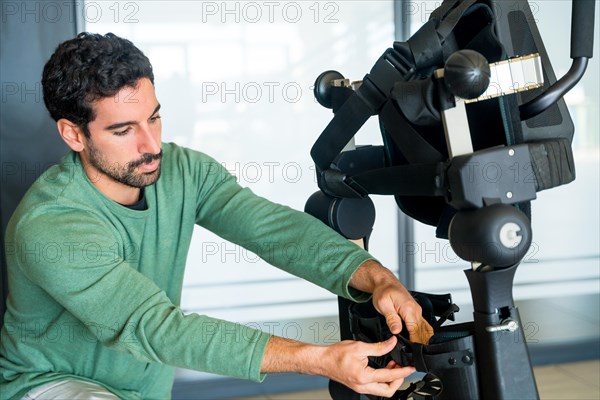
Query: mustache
[[145, 159]]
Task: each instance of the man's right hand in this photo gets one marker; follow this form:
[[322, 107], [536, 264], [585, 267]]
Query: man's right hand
[[348, 364], [345, 362]]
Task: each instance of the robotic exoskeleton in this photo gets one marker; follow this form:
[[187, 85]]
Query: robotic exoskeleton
[[473, 126]]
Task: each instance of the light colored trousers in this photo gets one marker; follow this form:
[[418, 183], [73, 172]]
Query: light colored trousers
[[70, 389]]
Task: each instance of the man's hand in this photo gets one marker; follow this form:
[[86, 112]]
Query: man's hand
[[349, 361], [392, 300], [345, 362]]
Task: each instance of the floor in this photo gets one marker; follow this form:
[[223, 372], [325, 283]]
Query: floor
[[579, 381]]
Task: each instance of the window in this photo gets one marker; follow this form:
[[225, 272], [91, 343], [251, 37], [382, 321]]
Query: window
[[564, 256], [235, 80]]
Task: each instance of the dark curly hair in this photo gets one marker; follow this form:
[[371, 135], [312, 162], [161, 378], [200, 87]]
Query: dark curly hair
[[87, 68]]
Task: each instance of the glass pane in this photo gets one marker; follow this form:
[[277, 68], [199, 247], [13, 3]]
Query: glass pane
[[563, 258], [235, 80]]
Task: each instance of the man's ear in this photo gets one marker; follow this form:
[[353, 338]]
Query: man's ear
[[71, 134]]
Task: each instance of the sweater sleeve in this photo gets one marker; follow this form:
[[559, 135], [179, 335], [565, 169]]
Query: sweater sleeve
[[123, 309], [286, 238]]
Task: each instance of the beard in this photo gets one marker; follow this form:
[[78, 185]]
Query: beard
[[125, 174]]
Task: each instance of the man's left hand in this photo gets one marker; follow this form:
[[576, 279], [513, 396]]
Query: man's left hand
[[397, 305], [392, 300]]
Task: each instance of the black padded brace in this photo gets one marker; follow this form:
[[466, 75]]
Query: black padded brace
[[552, 163]]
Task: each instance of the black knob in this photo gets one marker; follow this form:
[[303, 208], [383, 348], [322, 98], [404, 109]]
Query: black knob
[[467, 74], [322, 90], [498, 235]]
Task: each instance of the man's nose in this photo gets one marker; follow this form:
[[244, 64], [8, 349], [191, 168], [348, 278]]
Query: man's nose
[[148, 141]]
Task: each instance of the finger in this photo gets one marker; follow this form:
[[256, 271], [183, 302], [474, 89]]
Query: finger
[[376, 389], [380, 389], [392, 318], [411, 314], [381, 348], [385, 388], [384, 375], [394, 323], [386, 307], [395, 385]]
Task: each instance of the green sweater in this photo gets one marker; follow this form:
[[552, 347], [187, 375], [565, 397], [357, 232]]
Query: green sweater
[[95, 287]]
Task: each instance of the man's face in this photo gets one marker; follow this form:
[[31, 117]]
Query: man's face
[[125, 137]]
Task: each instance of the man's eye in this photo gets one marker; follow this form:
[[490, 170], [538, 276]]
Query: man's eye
[[155, 118], [123, 132]]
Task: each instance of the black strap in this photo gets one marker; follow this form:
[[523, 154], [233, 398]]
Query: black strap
[[449, 19], [440, 13], [448, 314], [402, 180], [414, 148], [426, 47], [346, 122], [419, 357]]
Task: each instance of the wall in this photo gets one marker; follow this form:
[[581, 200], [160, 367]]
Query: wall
[[29, 141]]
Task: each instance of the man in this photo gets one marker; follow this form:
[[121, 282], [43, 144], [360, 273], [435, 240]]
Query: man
[[97, 249]]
